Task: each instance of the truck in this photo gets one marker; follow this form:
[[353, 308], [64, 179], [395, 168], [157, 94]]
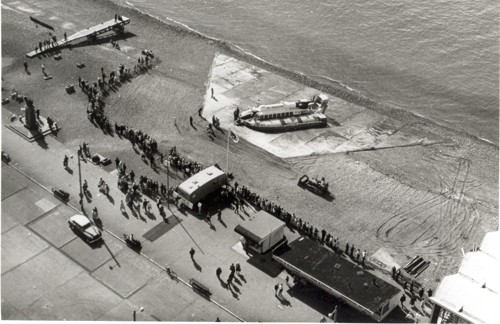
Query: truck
[[199, 186]]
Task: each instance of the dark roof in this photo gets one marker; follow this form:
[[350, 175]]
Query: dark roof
[[336, 272]]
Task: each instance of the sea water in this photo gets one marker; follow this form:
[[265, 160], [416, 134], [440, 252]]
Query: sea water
[[439, 59]]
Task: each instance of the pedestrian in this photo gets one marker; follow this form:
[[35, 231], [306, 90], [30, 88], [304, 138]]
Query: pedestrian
[[286, 280], [212, 92], [43, 69], [421, 293], [191, 253], [145, 205], [116, 17], [85, 186], [413, 299], [37, 113], [357, 255], [65, 37], [217, 319], [117, 162], [191, 120], [429, 292], [402, 300], [122, 206], [276, 287], [280, 290], [394, 271], [199, 207], [346, 248], [232, 268], [209, 219], [238, 267], [25, 66], [218, 272], [65, 161], [363, 255], [219, 215], [352, 250], [132, 175], [175, 121]]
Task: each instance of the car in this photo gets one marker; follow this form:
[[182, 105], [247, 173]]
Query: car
[[83, 226]]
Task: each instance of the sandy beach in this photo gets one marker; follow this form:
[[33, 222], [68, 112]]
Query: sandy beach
[[422, 200]]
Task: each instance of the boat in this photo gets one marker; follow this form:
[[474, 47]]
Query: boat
[[286, 116]]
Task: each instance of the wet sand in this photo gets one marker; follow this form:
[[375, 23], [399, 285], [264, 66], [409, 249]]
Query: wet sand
[[427, 200]]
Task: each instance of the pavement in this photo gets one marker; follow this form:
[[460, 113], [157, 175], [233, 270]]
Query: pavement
[[111, 279], [120, 277]]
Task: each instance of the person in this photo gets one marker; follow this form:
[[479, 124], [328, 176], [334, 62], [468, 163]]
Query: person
[[212, 92], [191, 120], [85, 186], [95, 214], [280, 290], [276, 287], [132, 175], [322, 320], [191, 253], [402, 300], [122, 206], [421, 292], [219, 215], [65, 37], [25, 66], [217, 319], [43, 68], [238, 267], [218, 272], [65, 162]]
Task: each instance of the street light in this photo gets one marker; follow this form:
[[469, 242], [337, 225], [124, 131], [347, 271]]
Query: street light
[[80, 179]]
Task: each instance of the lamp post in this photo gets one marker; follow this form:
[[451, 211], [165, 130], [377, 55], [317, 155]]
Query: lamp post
[[80, 180]]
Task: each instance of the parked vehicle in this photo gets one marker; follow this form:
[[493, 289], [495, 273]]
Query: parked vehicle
[[83, 226], [315, 185]]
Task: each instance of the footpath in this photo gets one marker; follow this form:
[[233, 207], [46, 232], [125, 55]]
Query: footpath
[[252, 298]]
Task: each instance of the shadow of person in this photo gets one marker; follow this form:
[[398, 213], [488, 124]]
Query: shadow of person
[[222, 222], [236, 280], [197, 266], [69, 170], [223, 283], [125, 214], [242, 277], [111, 200], [284, 301]]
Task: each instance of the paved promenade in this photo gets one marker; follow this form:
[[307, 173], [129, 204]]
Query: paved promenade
[[127, 280]]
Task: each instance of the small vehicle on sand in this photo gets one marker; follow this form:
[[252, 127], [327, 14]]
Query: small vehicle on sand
[[319, 187]]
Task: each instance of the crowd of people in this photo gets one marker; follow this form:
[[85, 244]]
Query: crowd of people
[[295, 222], [180, 163], [46, 44]]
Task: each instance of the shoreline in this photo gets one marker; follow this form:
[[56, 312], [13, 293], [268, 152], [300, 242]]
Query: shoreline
[[177, 86], [338, 90]]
